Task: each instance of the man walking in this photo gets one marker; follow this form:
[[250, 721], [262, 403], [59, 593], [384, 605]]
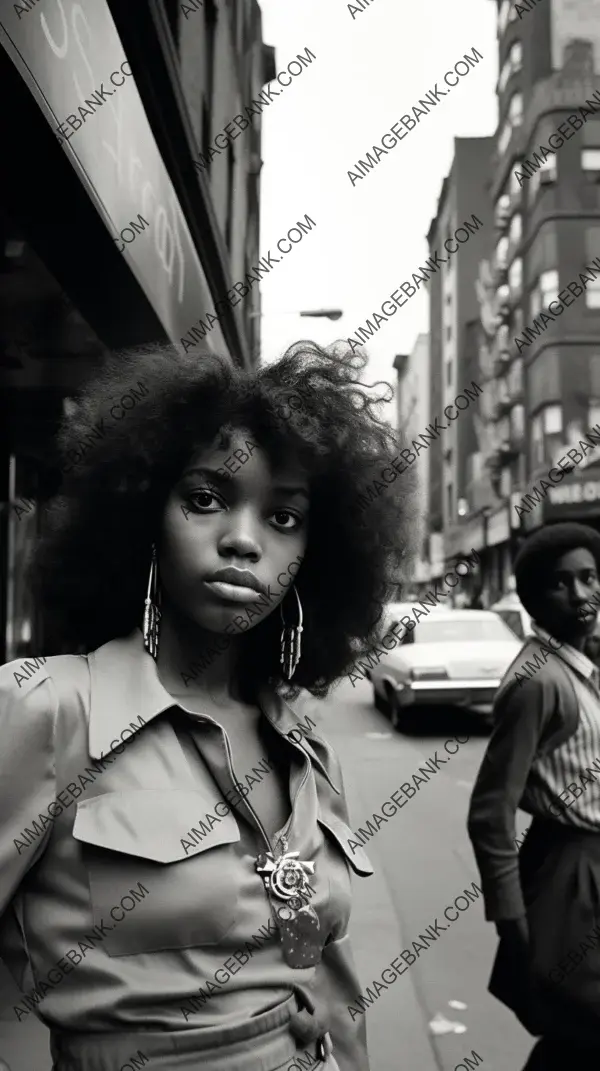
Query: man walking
[[544, 757]]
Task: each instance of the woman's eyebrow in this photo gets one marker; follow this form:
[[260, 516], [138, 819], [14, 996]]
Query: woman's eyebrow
[[206, 470], [288, 489]]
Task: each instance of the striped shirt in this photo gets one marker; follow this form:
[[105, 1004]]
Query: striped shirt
[[565, 784]]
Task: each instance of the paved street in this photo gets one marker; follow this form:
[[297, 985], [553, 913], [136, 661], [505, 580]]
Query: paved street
[[422, 862]]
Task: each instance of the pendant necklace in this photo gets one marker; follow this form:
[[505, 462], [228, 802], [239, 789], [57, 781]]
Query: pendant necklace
[[285, 878]]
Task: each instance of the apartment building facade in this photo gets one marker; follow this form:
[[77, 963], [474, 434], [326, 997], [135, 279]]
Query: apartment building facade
[[464, 203], [540, 314], [413, 415]]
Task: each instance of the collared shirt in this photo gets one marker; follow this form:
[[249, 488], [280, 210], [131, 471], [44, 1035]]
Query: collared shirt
[[566, 782], [129, 896], [551, 697]]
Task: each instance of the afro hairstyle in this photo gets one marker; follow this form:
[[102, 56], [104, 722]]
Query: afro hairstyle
[[91, 567], [540, 551]]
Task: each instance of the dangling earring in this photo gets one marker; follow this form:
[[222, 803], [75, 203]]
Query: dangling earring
[[291, 641], [152, 609]]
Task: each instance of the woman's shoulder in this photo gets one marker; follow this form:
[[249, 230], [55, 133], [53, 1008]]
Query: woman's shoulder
[[36, 683]]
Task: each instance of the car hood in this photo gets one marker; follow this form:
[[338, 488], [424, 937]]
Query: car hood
[[490, 658]]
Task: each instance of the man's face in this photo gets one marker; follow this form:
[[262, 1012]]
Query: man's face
[[568, 609]]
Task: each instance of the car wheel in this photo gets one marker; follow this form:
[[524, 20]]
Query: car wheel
[[396, 713], [379, 702]]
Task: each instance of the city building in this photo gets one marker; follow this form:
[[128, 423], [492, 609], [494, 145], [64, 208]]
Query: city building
[[460, 233], [130, 176], [543, 346], [413, 416]]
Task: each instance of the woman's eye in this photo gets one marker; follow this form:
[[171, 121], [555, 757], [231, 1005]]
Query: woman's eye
[[204, 500], [281, 516]]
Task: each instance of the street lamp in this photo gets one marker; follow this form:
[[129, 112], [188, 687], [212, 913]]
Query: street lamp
[[327, 314]]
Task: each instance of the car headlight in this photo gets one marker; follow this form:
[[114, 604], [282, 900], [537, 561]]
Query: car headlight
[[438, 673]]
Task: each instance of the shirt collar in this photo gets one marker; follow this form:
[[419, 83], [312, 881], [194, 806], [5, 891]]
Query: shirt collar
[[574, 658], [126, 694]]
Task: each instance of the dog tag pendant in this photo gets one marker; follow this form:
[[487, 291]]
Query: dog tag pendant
[[300, 935], [285, 878]]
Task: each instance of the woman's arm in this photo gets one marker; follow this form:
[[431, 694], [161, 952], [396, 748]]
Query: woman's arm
[[521, 715], [27, 785]]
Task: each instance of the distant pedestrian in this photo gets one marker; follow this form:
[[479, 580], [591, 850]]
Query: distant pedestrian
[[544, 758]]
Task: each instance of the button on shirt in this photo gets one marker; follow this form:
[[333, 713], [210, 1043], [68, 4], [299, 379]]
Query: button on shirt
[[129, 896]]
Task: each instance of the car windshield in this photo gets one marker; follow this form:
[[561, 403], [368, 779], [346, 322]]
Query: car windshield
[[461, 630]]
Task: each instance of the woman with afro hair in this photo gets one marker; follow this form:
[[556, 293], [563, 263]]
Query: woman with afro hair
[[175, 877]]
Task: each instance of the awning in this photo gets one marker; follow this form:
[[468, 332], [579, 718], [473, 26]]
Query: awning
[[75, 66]]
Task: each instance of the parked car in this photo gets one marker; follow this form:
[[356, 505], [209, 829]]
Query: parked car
[[453, 657], [513, 613]]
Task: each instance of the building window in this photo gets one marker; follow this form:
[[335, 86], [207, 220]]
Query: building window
[[594, 412], [515, 109], [506, 14], [512, 64], [501, 258], [513, 185], [546, 433], [548, 168], [549, 286], [504, 137], [545, 291], [517, 320], [592, 294], [516, 229], [590, 159], [515, 277]]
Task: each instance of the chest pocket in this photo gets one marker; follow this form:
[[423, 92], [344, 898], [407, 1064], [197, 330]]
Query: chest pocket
[[343, 859], [163, 869]]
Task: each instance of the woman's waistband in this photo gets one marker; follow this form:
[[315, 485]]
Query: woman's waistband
[[264, 1042]]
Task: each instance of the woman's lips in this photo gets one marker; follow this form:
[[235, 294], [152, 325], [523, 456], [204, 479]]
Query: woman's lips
[[232, 592]]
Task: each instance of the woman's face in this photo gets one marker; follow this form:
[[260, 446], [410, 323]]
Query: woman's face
[[233, 536]]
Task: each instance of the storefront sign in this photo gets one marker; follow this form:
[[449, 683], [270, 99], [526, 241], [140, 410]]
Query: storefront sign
[[71, 57], [573, 499]]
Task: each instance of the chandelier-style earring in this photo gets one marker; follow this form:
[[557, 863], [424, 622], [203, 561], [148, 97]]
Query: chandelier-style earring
[[291, 640], [151, 628]]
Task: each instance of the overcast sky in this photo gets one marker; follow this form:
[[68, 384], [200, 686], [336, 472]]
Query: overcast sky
[[370, 237]]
